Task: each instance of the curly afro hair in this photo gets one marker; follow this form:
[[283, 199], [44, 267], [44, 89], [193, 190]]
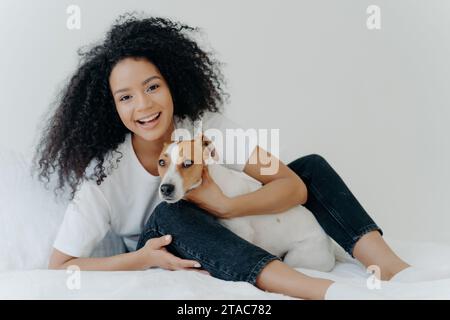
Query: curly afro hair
[[86, 126]]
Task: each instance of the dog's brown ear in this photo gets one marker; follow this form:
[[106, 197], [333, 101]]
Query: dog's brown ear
[[209, 148], [199, 136], [205, 140]]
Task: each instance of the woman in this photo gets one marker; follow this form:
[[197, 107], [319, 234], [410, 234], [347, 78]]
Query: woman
[[126, 98]]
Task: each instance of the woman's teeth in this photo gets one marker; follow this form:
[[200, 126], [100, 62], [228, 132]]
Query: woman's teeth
[[149, 118]]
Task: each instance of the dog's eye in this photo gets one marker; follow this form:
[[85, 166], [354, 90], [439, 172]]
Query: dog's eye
[[162, 163], [187, 163]]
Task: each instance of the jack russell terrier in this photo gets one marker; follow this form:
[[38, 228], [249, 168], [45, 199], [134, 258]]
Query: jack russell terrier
[[294, 234]]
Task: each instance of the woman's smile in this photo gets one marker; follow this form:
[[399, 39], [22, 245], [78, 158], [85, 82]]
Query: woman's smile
[[150, 121]]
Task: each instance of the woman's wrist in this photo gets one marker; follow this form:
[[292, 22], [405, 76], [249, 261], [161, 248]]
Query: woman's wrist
[[229, 208], [142, 259]]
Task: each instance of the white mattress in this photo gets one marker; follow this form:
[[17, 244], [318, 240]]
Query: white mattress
[[162, 284]]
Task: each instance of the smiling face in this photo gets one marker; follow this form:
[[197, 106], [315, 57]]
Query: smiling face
[[142, 98]]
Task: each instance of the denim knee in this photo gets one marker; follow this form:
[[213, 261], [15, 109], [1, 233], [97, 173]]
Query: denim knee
[[168, 218], [304, 165], [316, 158], [162, 213]]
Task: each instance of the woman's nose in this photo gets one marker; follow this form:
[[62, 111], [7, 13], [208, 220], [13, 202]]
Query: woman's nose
[[143, 101]]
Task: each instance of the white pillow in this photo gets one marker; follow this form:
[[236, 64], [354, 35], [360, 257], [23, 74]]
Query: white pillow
[[30, 216]]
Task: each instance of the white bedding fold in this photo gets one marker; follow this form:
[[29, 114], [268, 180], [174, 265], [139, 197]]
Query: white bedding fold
[[162, 284]]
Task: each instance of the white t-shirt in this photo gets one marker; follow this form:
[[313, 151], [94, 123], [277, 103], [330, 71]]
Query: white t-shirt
[[124, 201]]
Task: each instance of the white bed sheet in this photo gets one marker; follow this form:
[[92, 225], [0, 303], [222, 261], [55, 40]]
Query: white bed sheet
[[162, 284]]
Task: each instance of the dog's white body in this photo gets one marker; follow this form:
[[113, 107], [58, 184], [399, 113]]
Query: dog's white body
[[294, 234]]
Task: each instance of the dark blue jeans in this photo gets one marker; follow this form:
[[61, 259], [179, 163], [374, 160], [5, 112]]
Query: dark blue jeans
[[197, 235]]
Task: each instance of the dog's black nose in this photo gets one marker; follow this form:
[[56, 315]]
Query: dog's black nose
[[167, 189]]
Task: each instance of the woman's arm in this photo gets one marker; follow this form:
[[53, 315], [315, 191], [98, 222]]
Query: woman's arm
[[125, 261], [153, 254], [282, 188]]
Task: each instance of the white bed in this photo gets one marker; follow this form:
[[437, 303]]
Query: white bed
[[162, 284], [29, 219]]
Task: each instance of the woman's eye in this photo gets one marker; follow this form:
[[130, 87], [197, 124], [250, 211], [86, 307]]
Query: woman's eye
[[162, 163], [187, 163], [122, 98], [153, 87]]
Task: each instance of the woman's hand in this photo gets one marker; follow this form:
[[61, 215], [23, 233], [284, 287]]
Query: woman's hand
[[210, 197], [154, 254]]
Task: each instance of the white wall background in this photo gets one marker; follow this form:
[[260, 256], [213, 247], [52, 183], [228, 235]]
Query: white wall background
[[375, 104]]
